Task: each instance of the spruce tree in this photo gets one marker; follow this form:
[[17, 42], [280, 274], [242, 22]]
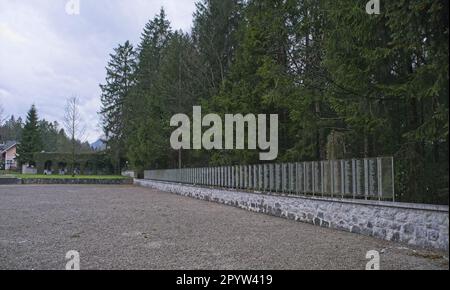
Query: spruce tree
[[31, 138], [146, 124], [119, 81], [215, 34], [258, 81]]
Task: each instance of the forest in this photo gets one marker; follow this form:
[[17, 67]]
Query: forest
[[344, 83]]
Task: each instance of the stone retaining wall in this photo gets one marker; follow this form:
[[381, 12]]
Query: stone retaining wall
[[414, 224], [8, 180], [76, 181]]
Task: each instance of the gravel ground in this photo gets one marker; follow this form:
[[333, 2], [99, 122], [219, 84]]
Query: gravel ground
[[127, 227]]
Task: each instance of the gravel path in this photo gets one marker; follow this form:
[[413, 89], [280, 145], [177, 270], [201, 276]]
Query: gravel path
[[126, 227]]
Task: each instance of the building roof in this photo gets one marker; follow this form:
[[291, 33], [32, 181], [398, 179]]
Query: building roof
[[7, 145]]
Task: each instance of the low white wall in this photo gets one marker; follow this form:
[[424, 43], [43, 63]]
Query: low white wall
[[414, 224], [129, 173], [29, 170]]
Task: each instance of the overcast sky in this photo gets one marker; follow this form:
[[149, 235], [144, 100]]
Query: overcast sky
[[47, 55]]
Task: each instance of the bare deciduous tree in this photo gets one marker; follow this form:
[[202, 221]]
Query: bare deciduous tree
[[73, 125]]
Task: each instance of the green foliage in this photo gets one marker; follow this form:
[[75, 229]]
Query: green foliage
[[31, 141], [87, 163], [389, 84], [119, 81], [345, 84], [53, 138], [215, 33], [11, 130], [146, 122]]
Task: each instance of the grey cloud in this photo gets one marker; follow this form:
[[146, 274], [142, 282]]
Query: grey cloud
[[47, 55]]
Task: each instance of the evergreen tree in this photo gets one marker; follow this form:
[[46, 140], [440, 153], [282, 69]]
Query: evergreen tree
[[49, 133], [177, 85], [389, 84], [31, 141], [63, 142], [258, 81], [11, 129], [215, 34], [145, 122], [119, 81], [311, 118]]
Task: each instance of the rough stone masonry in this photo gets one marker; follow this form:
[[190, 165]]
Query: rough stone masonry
[[414, 224]]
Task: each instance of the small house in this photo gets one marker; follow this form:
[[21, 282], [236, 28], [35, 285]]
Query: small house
[[8, 151]]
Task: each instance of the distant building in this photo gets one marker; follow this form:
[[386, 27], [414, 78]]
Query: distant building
[[8, 153]]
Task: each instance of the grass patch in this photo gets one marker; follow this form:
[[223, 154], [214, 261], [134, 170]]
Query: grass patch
[[42, 176]]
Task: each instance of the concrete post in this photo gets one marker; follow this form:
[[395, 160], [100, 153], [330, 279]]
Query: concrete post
[[260, 177], [271, 177], [366, 178], [360, 178], [233, 176], [255, 177], [373, 182], [245, 176], [242, 176], [217, 176], [277, 177], [264, 177], [380, 178]]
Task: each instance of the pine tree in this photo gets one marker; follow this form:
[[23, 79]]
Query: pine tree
[[31, 141]]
